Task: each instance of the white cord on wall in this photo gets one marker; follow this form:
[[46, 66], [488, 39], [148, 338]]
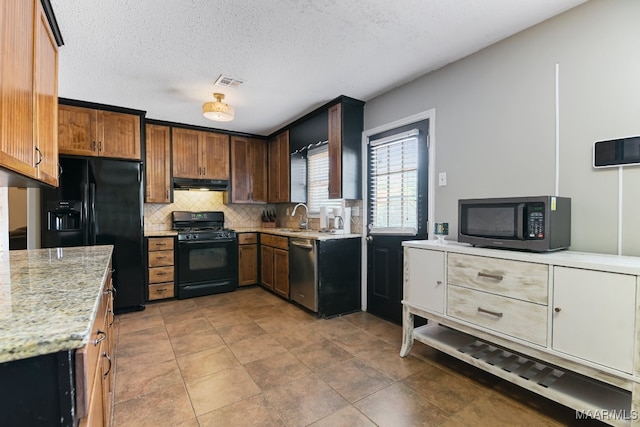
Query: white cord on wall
[[557, 129], [619, 210]]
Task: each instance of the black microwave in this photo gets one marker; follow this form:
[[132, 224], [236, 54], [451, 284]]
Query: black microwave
[[538, 224]]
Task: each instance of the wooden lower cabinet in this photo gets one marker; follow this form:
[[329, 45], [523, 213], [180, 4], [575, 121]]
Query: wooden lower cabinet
[[247, 259], [95, 364], [160, 268], [274, 262]]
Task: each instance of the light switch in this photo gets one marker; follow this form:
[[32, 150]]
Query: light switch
[[355, 211], [442, 179]]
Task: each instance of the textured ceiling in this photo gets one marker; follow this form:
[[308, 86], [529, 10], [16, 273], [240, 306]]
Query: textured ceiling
[[162, 56]]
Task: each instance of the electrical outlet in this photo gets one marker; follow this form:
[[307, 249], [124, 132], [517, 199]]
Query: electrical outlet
[[355, 211], [288, 212], [442, 179]]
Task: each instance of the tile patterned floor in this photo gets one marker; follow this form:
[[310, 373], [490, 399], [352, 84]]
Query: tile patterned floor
[[249, 358]]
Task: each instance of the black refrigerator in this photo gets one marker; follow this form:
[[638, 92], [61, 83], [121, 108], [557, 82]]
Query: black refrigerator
[[100, 202]]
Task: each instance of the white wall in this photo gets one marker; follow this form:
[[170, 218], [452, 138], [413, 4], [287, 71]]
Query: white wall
[[495, 112], [17, 207]]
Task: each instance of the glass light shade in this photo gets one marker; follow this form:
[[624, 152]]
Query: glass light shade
[[218, 110]]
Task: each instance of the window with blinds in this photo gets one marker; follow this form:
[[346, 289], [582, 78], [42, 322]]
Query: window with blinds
[[318, 180], [393, 184]]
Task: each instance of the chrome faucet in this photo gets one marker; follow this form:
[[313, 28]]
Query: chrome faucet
[[304, 225]]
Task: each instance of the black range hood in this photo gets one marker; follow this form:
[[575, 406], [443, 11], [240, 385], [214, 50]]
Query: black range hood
[[201, 184]]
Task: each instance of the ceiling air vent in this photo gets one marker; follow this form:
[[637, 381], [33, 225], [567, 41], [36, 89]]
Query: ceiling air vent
[[226, 81]]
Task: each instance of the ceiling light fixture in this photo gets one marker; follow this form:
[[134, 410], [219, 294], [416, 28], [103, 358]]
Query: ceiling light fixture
[[218, 110]]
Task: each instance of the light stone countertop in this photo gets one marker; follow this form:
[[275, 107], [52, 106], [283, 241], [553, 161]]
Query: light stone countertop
[[49, 298], [290, 232], [161, 233]]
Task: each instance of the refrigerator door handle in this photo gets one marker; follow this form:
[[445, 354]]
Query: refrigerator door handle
[[92, 206], [86, 221]]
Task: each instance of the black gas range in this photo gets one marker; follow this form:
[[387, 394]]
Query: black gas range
[[207, 254]]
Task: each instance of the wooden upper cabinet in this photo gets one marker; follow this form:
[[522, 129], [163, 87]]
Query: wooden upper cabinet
[[248, 170], [17, 148], [345, 125], [89, 132], [335, 151], [158, 164], [215, 156], [120, 135], [279, 169], [77, 130], [46, 100], [200, 155], [186, 153]]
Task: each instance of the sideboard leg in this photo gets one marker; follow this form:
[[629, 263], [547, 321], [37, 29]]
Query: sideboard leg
[[407, 332]]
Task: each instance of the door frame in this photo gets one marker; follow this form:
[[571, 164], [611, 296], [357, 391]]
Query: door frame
[[425, 115]]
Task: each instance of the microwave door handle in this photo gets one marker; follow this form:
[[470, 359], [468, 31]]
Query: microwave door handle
[[520, 220]]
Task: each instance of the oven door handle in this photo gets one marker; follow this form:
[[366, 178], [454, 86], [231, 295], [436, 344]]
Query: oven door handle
[[194, 242]]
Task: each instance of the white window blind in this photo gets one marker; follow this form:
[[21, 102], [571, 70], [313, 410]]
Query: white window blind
[[318, 180], [394, 184]]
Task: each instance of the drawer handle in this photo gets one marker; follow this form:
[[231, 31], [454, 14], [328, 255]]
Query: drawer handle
[[160, 291], [101, 338], [490, 276], [106, 356], [557, 309], [491, 313], [161, 257], [160, 244], [113, 317], [161, 273]]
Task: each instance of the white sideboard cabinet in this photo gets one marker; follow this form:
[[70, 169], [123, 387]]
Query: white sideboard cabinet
[[565, 325]]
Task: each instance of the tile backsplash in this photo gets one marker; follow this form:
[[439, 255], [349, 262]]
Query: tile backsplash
[[157, 217]]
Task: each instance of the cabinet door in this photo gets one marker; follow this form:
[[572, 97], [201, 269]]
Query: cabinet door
[[281, 272], [120, 135], [594, 316], [214, 155], [16, 87], [425, 287], [158, 161], [248, 265], [258, 156], [278, 168], [186, 153], [240, 170], [266, 269], [46, 93], [77, 131], [335, 151]]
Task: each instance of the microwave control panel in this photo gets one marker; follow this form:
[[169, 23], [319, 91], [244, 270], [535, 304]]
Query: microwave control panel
[[535, 221]]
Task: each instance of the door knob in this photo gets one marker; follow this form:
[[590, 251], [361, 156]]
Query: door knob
[[369, 238]]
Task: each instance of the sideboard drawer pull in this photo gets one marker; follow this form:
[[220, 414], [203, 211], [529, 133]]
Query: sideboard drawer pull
[[491, 313], [490, 276]]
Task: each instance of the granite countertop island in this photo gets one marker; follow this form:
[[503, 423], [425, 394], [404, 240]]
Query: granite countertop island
[[49, 299]]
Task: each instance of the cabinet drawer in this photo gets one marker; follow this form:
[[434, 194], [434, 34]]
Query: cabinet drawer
[[516, 279], [513, 317], [275, 241], [247, 238], [160, 274], [160, 244], [161, 291], [160, 258]]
